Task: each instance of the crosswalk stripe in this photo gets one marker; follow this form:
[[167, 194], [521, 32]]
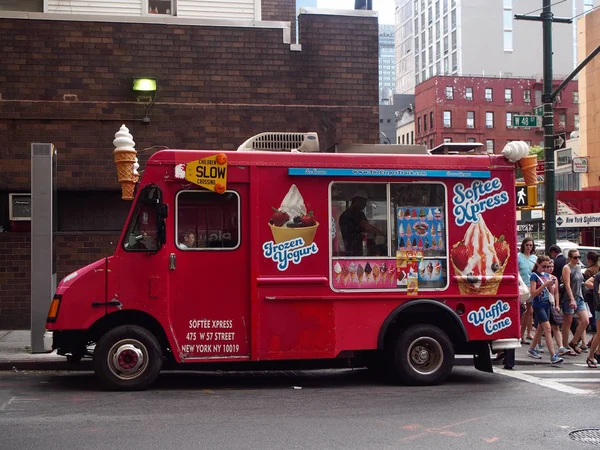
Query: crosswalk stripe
[[576, 380], [558, 371], [552, 384]]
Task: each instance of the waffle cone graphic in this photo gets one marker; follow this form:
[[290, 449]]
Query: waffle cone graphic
[[283, 234], [528, 167], [489, 284]]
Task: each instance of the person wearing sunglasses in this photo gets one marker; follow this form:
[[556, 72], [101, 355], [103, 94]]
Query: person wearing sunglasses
[[526, 260], [542, 290], [573, 301]]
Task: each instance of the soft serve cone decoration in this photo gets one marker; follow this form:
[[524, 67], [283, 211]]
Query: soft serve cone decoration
[[479, 260], [528, 166], [125, 158]]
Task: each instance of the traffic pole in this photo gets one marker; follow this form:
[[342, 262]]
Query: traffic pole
[[548, 124]]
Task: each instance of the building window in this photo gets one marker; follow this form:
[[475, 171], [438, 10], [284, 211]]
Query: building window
[[425, 122], [488, 94], [527, 95], [29, 6], [454, 40], [431, 119], [489, 145], [160, 7], [470, 119], [576, 121], [449, 92], [412, 138], [575, 97], [557, 99], [446, 140], [469, 93], [471, 140], [508, 95], [446, 66], [447, 119], [453, 18], [562, 118], [419, 125], [509, 120], [508, 41], [431, 143], [446, 48], [489, 119], [454, 62]]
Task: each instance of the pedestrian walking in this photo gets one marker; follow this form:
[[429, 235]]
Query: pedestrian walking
[[572, 300], [541, 288], [527, 260]]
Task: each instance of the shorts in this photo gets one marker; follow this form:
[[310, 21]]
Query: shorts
[[542, 312], [566, 308]]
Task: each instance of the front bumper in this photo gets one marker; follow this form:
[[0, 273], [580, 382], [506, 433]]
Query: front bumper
[[505, 344]]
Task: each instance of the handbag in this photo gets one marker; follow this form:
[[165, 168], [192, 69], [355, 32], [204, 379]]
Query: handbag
[[524, 293], [557, 316]]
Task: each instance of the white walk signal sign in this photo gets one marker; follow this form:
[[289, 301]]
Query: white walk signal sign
[[521, 195]]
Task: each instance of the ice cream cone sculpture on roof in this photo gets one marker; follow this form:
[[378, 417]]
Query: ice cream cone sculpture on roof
[[125, 159], [529, 168]]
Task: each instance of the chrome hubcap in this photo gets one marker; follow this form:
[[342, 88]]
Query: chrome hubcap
[[127, 359], [425, 355]]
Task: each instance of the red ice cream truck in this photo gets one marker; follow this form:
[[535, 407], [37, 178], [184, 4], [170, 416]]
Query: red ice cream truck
[[249, 259]]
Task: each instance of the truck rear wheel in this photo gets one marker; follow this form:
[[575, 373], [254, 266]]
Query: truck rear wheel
[[421, 355], [127, 357]]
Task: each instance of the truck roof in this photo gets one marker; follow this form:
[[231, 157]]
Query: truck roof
[[347, 160]]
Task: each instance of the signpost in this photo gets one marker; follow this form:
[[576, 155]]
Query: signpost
[[560, 141], [527, 121]]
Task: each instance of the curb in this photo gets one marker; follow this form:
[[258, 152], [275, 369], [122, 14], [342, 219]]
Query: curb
[[21, 365]]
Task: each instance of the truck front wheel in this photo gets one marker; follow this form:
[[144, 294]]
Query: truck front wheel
[[422, 355], [127, 357]]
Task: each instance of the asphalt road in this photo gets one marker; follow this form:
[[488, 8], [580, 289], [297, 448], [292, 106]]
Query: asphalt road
[[332, 410]]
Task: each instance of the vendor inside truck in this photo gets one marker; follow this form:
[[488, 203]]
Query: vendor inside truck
[[353, 223]]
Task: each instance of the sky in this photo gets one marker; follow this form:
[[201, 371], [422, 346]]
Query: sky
[[385, 8]]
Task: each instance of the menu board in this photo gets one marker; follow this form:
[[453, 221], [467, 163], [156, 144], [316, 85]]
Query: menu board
[[421, 228]]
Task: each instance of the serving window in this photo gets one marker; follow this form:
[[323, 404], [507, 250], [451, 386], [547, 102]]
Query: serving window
[[207, 220], [388, 235]]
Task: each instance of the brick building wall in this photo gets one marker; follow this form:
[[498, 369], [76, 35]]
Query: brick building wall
[[431, 99], [217, 86], [280, 10]]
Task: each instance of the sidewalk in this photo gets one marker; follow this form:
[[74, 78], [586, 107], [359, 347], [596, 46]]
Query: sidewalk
[[15, 352]]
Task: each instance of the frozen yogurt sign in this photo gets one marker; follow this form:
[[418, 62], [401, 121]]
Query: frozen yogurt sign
[[293, 229], [491, 318], [288, 252], [471, 202]]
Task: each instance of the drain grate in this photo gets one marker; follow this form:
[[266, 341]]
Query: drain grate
[[589, 436]]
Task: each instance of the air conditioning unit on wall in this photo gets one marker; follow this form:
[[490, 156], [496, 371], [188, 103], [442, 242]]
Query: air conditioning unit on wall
[[19, 207]]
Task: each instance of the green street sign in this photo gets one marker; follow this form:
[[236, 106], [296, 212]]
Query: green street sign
[[527, 121], [538, 110]]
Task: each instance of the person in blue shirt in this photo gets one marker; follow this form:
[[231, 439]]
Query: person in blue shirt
[[527, 260]]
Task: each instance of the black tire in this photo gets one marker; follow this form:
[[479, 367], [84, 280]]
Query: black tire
[[421, 355], [127, 358]]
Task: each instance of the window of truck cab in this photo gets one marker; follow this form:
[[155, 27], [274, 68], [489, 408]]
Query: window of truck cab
[[388, 236], [205, 220]]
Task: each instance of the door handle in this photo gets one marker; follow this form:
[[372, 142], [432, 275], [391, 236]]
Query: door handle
[[172, 261]]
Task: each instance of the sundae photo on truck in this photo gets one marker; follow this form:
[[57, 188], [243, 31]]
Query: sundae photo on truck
[[363, 256]]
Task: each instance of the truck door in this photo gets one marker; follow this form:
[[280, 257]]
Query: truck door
[[210, 276]]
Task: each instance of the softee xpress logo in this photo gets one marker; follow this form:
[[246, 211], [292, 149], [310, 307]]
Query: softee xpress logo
[[471, 202], [491, 318]]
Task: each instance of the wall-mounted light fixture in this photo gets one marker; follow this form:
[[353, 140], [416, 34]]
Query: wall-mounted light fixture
[[145, 89]]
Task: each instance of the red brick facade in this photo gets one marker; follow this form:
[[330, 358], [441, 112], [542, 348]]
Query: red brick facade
[[217, 87], [431, 100]]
